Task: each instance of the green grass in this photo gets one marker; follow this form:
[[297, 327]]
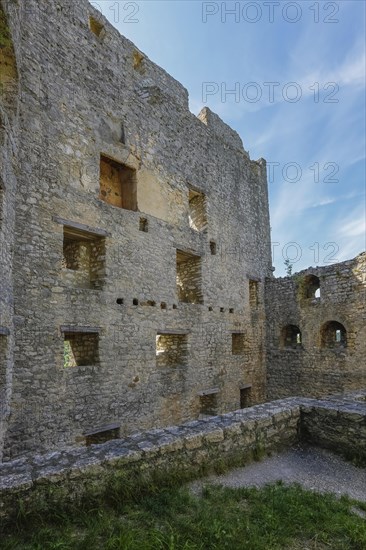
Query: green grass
[[274, 517]]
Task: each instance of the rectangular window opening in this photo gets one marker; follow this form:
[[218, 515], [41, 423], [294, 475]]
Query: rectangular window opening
[[245, 397], [118, 184], [171, 350], [197, 210], [3, 356], [81, 349], [95, 26], [102, 435], [189, 278], [144, 225], [238, 343], [253, 294], [208, 404], [83, 258], [1, 204]]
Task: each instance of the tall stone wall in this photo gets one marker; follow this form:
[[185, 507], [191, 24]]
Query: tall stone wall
[[9, 143], [89, 95], [328, 358]]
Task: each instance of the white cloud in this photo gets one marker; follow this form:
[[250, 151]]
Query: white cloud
[[354, 228]]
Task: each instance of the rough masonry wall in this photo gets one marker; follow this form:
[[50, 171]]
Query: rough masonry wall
[[337, 423], [318, 365], [85, 96], [9, 133]]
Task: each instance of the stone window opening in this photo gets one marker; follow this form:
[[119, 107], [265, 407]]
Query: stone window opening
[[189, 278], [83, 260], [291, 337], [81, 349], [311, 287], [3, 359], [171, 350], [138, 61], [333, 335], [102, 435], [120, 301], [238, 343], [1, 203], [135, 302], [197, 210], [76, 254], [208, 403], [122, 137], [163, 305], [96, 26], [245, 396], [144, 225], [213, 248], [118, 184], [253, 294]]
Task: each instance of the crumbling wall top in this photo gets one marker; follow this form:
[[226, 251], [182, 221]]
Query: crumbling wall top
[[221, 129]]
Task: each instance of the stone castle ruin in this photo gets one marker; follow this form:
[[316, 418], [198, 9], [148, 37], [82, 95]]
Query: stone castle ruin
[[137, 288]]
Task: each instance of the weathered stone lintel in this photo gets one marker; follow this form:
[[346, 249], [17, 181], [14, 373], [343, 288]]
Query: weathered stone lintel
[[77, 329], [82, 227]]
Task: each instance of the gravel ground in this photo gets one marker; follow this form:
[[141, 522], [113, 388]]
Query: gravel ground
[[313, 468]]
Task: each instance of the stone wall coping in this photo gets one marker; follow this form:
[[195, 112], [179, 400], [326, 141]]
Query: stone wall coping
[[22, 473]]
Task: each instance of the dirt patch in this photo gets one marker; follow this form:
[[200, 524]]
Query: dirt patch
[[313, 468]]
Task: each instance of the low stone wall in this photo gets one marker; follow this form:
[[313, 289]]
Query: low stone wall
[[190, 450], [338, 424]]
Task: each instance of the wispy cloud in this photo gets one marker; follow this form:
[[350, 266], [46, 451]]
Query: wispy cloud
[[354, 228]]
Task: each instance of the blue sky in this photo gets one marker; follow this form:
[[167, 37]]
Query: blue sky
[[298, 71]]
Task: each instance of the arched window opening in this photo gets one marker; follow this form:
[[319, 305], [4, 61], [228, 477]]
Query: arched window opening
[[333, 335], [311, 288], [291, 337]]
